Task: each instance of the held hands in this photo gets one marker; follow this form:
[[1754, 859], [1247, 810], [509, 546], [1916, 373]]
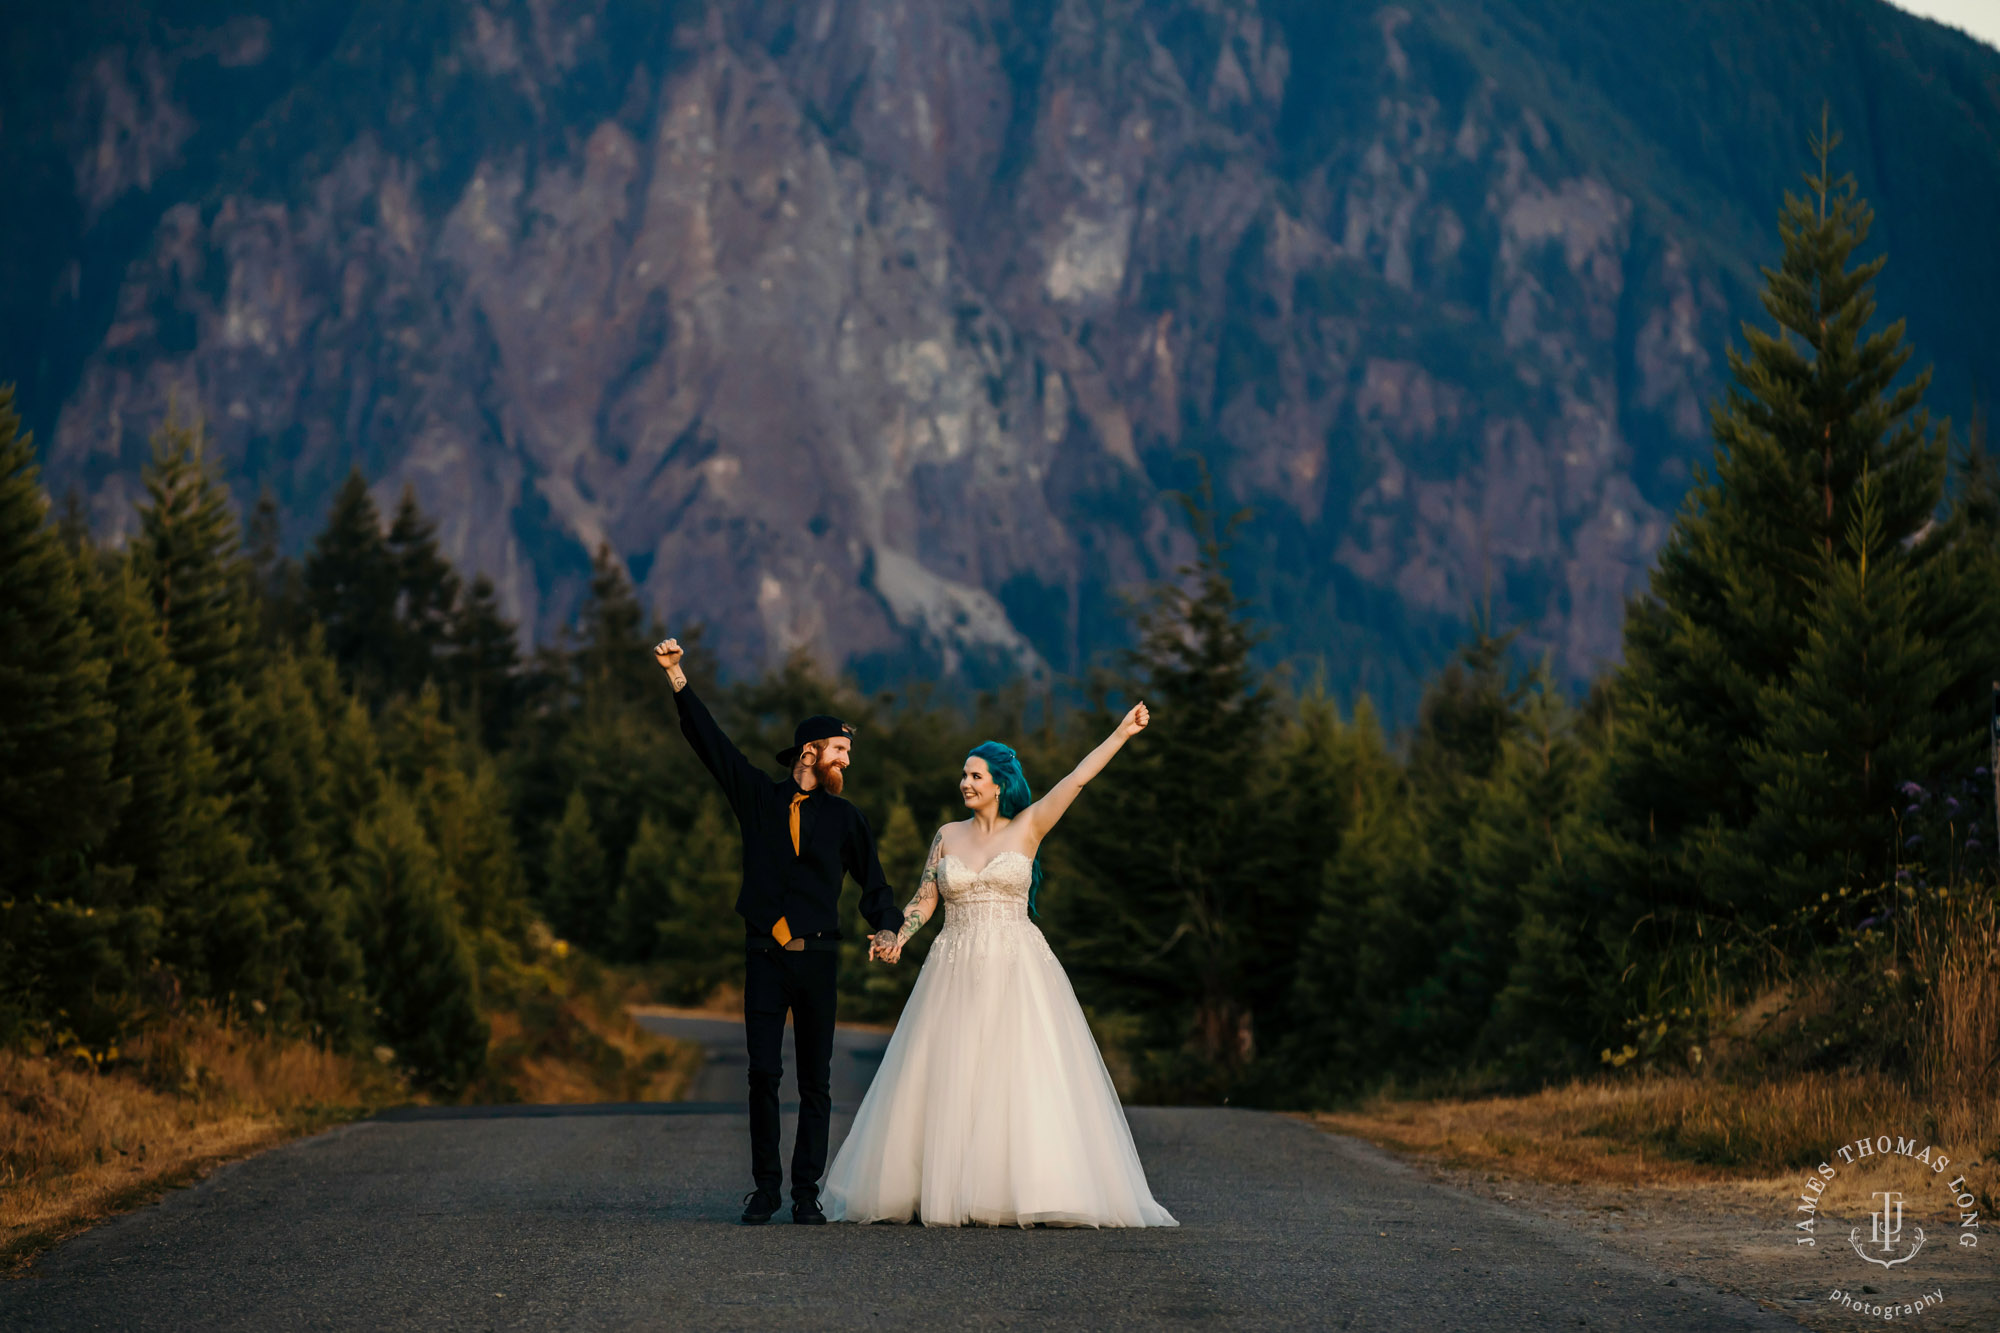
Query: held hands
[[885, 946], [1135, 721]]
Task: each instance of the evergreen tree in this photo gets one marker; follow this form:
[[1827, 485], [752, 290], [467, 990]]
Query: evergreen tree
[[1560, 1002], [426, 593], [612, 657], [57, 791], [575, 893], [351, 584], [1705, 828], [355, 783], [1349, 1019], [645, 892], [187, 551], [291, 823], [56, 795], [1866, 706], [697, 936], [1322, 766], [420, 972], [483, 662], [1168, 840], [186, 858], [460, 799], [276, 601], [1513, 843]]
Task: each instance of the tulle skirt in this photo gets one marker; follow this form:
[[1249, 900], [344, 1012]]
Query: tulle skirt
[[992, 1105]]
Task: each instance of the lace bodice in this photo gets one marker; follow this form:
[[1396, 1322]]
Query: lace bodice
[[1003, 879], [996, 892]]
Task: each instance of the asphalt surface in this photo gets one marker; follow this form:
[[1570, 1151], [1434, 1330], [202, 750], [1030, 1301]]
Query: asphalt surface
[[616, 1217]]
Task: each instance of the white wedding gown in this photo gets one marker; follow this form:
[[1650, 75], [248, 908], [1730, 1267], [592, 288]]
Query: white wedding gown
[[992, 1104]]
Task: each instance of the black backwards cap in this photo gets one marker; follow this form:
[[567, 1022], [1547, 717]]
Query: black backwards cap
[[818, 727]]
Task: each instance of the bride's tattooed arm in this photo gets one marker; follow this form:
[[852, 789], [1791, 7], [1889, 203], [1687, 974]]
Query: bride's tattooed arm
[[924, 906]]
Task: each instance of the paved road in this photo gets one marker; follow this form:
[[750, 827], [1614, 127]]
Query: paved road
[[623, 1217], [857, 1053]]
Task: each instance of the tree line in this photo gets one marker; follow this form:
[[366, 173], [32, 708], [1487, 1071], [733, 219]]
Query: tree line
[[331, 794]]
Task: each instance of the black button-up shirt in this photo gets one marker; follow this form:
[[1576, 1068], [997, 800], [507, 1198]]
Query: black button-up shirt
[[834, 839]]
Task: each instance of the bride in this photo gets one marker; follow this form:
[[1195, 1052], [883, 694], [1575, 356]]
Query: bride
[[992, 1104]]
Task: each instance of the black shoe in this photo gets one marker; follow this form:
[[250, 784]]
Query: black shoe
[[758, 1207], [808, 1214]]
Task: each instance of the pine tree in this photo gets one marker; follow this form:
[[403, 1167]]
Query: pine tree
[[483, 662], [175, 837], [1322, 766], [645, 892], [1167, 841], [187, 551], [1349, 1021], [611, 659], [276, 597], [291, 822], [58, 795], [575, 892], [1513, 841], [459, 796], [426, 592], [698, 936], [1468, 722], [351, 585], [1867, 706], [420, 972], [1696, 817]]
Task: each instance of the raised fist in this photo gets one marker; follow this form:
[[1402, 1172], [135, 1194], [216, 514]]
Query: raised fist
[[1136, 720], [667, 652]]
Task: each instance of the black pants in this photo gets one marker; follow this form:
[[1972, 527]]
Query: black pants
[[774, 981]]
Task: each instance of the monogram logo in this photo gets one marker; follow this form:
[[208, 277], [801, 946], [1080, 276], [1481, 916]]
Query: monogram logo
[[1885, 1231], [1913, 1177]]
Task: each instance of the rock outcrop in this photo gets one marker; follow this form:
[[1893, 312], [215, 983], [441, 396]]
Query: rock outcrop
[[883, 327]]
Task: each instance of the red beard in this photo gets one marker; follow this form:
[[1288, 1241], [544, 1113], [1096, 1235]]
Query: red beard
[[832, 777]]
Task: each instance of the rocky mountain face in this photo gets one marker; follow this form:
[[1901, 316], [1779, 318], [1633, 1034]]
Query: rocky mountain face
[[887, 328]]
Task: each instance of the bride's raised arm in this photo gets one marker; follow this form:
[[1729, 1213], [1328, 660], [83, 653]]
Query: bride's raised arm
[[920, 909], [1043, 814]]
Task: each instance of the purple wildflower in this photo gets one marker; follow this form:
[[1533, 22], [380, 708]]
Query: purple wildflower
[[1911, 790]]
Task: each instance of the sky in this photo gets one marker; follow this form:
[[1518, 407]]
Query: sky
[[1981, 18]]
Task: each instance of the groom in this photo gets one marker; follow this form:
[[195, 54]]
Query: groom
[[799, 837]]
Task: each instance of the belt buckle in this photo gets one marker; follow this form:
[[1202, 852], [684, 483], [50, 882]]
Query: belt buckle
[[796, 944]]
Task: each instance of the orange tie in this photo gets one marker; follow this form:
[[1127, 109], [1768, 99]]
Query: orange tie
[[782, 932]]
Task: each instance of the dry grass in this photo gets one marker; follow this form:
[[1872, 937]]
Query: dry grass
[[1954, 953], [582, 1048], [79, 1143], [1677, 1131]]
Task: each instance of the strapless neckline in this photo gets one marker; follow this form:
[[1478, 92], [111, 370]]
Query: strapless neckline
[[954, 856]]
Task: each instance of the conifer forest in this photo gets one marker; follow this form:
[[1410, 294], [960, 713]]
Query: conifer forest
[[331, 794]]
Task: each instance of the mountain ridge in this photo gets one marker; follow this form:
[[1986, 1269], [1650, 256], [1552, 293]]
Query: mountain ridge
[[885, 329]]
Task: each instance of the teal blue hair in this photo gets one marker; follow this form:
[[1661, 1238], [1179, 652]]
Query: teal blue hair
[[1015, 796]]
